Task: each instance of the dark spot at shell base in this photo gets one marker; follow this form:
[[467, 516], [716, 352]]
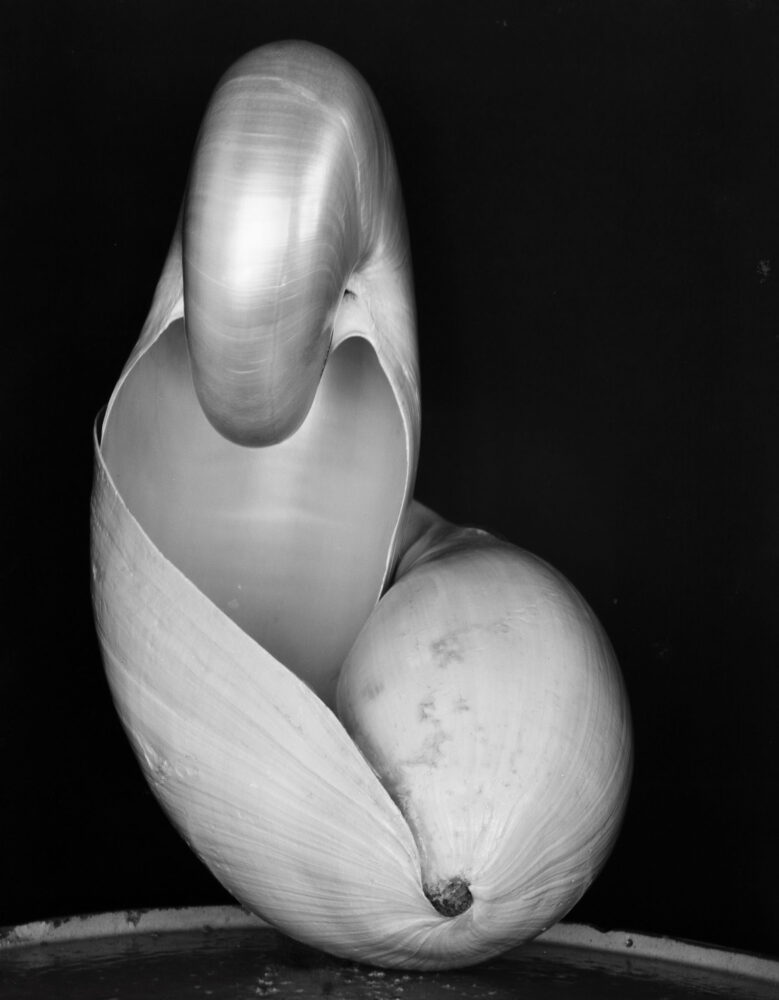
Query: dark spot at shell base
[[450, 898]]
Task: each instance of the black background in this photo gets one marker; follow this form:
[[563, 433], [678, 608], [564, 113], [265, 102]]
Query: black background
[[592, 197]]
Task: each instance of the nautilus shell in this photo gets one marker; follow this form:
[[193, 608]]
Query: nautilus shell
[[399, 741]]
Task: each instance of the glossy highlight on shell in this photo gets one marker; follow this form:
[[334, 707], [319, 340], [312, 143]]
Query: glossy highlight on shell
[[400, 741]]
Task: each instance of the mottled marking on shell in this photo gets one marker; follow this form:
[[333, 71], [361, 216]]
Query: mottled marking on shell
[[372, 689], [447, 649], [430, 752], [426, 707]]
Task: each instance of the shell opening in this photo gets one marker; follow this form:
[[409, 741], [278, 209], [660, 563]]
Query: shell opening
[[450, 897], [290, 541]]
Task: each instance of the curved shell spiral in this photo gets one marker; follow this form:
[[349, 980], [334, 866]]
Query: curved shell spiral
[[257, 558]]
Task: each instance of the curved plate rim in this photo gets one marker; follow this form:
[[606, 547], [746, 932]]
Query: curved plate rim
[[120, 923]]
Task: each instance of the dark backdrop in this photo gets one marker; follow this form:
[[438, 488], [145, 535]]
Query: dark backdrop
[[592, 197]]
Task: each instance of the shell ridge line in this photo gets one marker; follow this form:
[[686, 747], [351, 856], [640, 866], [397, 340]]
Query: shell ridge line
[[167, 306]]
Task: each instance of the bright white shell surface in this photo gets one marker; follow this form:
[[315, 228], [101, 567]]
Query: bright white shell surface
[[230, 582], [487, 697]]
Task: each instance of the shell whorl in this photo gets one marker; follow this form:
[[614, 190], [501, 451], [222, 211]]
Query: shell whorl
[[243, 594], [293, 189]]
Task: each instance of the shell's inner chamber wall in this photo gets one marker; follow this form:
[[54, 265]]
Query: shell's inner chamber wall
[[289, 540]]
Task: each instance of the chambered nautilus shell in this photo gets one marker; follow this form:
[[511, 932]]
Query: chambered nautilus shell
[[400, 741]]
